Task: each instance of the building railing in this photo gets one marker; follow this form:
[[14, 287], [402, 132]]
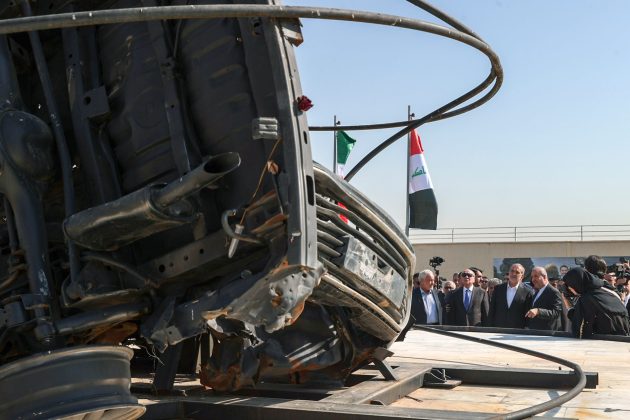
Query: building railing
[[571, 233]]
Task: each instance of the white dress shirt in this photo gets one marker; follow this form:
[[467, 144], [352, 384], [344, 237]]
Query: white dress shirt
[[430, 307], [510, 293], [539, 293]]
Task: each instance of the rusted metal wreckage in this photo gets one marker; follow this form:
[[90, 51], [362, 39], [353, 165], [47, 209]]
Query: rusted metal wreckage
[[160, 198]]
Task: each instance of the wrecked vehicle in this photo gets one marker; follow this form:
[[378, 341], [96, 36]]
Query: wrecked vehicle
[[159, 192]]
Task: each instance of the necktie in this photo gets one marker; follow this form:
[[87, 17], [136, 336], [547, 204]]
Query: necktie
[[536, 297], [467, 298]]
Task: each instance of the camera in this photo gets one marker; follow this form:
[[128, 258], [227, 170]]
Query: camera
[[621, 269], [436, 262]]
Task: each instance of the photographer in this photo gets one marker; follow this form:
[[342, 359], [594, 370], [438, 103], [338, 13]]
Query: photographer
[[596, 265], [435, 262], [598, 310]]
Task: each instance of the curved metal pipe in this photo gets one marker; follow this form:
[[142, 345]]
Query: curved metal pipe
[[100, 17], [211, 171], [230, 232], [109, 261], [146, 211], [520, 331], [536, 409], [438, 114], [461, 33], [88, 320], [446, 19]]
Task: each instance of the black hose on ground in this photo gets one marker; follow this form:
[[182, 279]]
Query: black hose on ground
[[535, 409]]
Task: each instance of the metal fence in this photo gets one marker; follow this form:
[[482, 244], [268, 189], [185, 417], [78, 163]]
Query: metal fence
[[573, 233]]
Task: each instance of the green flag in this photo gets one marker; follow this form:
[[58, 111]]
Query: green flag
[[345, 143]]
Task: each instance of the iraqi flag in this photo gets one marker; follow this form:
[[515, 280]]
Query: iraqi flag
[[422, 204]]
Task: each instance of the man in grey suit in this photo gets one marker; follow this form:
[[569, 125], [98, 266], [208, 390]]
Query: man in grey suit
[[547, 304], [510, 301], [425, 306], [468, 305]]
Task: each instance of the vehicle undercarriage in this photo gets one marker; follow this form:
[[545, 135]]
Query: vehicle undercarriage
[[159, 191]]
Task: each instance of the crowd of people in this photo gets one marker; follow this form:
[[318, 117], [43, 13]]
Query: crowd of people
[[582, 300]]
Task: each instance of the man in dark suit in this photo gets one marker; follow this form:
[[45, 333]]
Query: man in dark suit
[[546, 309], [626, 300], [468, 305], [425, 306], [510, 301]]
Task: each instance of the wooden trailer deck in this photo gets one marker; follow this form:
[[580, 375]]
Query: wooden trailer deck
[[611, 360]]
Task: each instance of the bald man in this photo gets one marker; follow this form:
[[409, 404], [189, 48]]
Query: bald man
[[546, 309]]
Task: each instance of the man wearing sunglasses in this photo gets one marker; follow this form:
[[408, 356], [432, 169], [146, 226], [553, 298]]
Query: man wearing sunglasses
[[467, 305]]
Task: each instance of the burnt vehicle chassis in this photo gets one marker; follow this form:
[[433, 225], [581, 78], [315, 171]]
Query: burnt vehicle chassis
[[159, 188]]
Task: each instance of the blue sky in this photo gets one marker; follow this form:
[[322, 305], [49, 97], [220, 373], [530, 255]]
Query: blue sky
[[551, 148]]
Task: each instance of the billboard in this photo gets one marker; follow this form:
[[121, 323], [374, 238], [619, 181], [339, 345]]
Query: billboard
[[555, 266]]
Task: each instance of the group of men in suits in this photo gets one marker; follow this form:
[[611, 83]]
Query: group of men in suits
[[517, 305], [513, 304]]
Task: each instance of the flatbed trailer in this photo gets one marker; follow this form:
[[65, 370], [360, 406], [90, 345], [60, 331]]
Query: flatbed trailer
[[481, 382]]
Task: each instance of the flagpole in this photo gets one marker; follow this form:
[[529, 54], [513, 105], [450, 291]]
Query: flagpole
[[407, 154], [335, 145]]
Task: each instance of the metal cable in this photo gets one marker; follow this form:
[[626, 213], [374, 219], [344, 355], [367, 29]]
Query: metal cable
[[496, 75], [535, 409], [444, 18], [109, 261], [459, 33], [521, 331]]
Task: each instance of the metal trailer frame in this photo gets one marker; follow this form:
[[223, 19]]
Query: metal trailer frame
[[369, 397], [378, 384]]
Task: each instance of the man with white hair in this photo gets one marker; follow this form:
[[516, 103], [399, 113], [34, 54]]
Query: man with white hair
[[546, 308], [492, 283], [425, 306], [448, 287]]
